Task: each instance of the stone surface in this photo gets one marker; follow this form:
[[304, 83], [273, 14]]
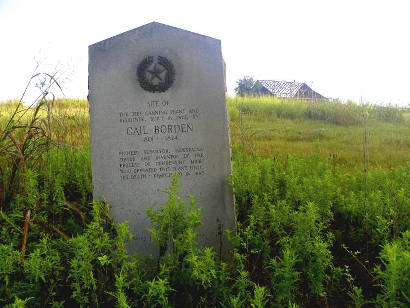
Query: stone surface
[[157, 107]]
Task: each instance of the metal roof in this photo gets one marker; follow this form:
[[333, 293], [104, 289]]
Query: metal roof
[[282, 88]]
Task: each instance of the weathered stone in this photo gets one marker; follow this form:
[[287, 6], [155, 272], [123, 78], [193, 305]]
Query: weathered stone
[[157, 107]]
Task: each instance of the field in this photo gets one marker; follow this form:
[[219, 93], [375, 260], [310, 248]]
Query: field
[[322, 204], [277, 127]]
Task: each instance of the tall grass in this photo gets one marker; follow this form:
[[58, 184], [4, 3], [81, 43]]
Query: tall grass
[[332, 112], [275, 127], [309, 233], [70, 124]]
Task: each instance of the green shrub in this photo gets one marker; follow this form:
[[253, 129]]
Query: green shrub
[[308, 234], [394, 273]]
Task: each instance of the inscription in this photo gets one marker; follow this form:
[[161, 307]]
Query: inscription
[[173, 129], [160, 163], [159, 121]]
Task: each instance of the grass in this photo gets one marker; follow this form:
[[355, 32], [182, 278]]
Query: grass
[[277, 128], [313, 228], [274, 127], [71, 125]]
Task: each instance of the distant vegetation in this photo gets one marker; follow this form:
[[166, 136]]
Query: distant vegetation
[[271, 126], [331, 112], [244, 86], [322, 201]]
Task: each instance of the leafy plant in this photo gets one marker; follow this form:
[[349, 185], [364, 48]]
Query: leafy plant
[[395, 273]]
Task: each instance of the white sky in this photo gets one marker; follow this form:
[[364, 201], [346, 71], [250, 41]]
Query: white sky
[[343, 49]]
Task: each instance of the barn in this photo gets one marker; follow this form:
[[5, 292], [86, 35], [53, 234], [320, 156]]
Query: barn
[[287, 89]]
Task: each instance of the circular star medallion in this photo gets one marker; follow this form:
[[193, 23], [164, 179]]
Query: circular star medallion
[[155, 74]]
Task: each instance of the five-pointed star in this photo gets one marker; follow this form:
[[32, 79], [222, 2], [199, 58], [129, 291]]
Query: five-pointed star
[[156, 72]]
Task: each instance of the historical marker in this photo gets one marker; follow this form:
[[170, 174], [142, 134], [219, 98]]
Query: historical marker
[[157, 107]]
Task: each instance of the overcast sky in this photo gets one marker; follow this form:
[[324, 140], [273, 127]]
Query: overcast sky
[[342, 49]]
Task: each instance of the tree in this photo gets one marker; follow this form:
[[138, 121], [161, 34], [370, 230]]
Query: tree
[[244, 86]]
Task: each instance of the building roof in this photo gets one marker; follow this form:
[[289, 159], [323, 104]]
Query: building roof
[[282, 88]]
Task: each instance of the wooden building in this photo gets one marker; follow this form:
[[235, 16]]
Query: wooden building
[[287, 89]]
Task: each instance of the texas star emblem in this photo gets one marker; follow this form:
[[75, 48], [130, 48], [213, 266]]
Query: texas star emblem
[[155, 74]]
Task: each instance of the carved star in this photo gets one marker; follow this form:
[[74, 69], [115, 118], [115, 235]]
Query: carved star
[[156, 72]]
